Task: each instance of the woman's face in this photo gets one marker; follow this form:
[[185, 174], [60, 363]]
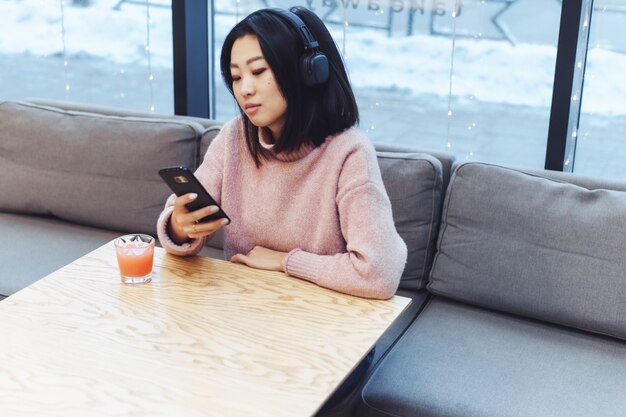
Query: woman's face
[[255, 86]]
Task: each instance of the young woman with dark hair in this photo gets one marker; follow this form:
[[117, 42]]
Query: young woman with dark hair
[[300, 184], [317, 112]]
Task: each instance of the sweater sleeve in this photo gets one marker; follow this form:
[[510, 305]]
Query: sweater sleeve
[[210, 174], [375, 254]]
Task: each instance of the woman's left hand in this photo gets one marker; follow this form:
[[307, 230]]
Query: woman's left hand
[[261, 258]]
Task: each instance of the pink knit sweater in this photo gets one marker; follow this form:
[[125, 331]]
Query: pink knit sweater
[[326, 206]]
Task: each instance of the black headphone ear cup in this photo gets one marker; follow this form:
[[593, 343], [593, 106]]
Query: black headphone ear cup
[[314, 68]]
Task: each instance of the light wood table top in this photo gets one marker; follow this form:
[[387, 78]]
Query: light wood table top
[[204, 338]]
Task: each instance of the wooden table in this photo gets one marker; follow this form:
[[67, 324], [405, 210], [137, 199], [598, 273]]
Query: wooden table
[[204, 338]]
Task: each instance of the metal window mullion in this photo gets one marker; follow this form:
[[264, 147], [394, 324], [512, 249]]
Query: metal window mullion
[[568, 82], [193, 81]]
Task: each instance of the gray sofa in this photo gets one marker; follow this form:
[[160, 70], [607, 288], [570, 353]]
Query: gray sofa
[[527, 308], [518, 278]]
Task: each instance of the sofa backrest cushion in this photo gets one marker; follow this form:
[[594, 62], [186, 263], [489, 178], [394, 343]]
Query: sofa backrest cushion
[[210, 127], [414, 183], [88, 168], [540, 247]]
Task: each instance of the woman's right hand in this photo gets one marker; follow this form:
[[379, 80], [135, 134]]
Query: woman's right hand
[[184, 224]]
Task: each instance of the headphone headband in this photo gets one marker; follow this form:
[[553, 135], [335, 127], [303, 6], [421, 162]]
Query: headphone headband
[[314, 66], [307, 37]]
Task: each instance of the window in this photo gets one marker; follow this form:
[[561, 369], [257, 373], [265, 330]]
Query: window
[[106, 52], [475, 78], [469, 77]]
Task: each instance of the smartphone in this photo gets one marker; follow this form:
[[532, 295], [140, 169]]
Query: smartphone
[[182, 181]]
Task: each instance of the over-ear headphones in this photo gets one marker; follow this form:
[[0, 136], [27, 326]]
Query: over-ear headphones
[[313, 63]]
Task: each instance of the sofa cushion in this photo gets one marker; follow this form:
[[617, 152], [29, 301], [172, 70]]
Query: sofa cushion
[[413, 182], [210, 127], [88, 168], [35, 246], [457, 360], [535, 246]]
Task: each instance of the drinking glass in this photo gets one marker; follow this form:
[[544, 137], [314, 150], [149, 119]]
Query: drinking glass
[[135, 256]]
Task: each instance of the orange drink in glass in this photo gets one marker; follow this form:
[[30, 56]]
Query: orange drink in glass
[[135, 255]]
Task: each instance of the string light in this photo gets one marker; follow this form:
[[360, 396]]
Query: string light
[[373, 107], [588, 76], [121, 94], [65, 73], [345, 29], [451, 76], [471, 97], [576, 97], [149, 53]]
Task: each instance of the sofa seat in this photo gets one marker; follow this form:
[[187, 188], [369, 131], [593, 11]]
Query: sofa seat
[[35, 246], [457, 360]]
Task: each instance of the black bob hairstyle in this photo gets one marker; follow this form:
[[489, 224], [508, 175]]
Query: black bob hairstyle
[[313, 113]]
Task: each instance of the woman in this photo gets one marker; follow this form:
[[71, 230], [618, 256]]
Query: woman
[[301, 185]]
